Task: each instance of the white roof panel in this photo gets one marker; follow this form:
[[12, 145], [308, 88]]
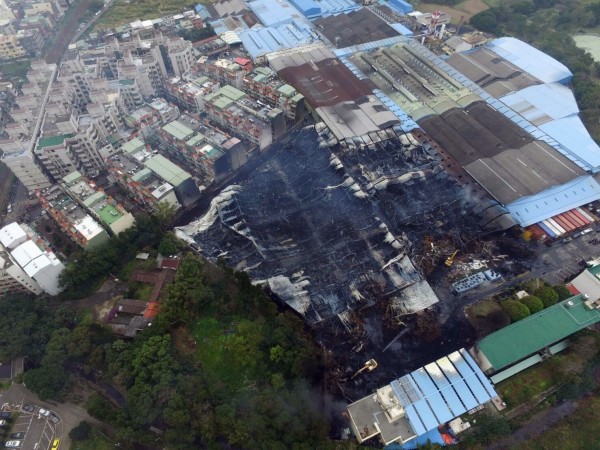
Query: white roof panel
[[25, 253], [12, 234], [470, 377]]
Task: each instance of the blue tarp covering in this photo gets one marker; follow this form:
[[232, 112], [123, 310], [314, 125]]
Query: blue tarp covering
[[556, 200], [531, 60]]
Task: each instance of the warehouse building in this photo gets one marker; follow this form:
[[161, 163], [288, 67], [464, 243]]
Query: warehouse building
[[419, 402], [527, 342]]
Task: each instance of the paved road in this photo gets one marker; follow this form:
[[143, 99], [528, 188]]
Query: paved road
[[39, 430]]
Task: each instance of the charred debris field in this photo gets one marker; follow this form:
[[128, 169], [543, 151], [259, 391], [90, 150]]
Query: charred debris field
[[353, 241]]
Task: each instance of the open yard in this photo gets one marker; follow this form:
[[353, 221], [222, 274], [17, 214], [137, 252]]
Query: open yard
[[464, 10], [125, 11], [527, 385]]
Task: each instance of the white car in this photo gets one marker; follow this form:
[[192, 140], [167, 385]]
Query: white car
[[44, 412], [13, 444]]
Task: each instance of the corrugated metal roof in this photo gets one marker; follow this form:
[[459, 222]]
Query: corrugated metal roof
[[442, 390], [543, 103], [165, 169], [535, 208], [178, 130], [530, 59], [133, 146], [525, 337]]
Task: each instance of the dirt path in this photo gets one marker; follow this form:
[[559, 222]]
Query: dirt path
[[466, 9], [539, 423]]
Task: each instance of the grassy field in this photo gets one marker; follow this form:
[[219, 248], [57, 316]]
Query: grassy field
[[526, 385], [16, 69], [464, 10], [213, 342], [125, 11]]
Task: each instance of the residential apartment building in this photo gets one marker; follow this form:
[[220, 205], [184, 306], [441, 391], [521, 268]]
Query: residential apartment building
[[190, 95], [72, 218], [100, 205], [28, 261], [247, 118], [181, 54], [10, 47], [265, 86], [23, 164], [222, 70], [144, 185]]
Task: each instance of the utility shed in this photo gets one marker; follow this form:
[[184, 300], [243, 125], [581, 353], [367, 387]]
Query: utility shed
[[535, 333]]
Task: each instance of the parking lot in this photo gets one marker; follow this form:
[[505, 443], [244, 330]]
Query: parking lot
[[39, 426]]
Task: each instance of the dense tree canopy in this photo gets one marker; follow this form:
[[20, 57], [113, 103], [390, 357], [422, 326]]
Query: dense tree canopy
[[515, 310]]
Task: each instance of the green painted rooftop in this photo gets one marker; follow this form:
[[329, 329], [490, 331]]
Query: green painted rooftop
[[108, 214], [165, 169], [133, 145], [140, 175], [178, 130], [72, 178], [53, 140], [195, 140], [126, 82], [94, 198], [287, 90], [520, 339], [595, 270]]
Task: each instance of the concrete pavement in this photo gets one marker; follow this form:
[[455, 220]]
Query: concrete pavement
[[39, 429]]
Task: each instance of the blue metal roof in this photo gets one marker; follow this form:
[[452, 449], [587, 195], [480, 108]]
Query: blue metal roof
[[531, 60], [273, 13], [332, 7], [543, 102], [260, 40], [571, 134], [399, 5], [307, 7], [442, 390], [401, 29], [556, 200]]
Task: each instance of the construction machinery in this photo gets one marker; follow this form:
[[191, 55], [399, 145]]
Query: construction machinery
[[450, 259], [370, 365]]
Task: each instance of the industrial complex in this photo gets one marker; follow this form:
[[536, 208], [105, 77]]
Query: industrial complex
[[366, 165]]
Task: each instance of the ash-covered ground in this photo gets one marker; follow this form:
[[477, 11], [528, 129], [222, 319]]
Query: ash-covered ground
[[336, 235]]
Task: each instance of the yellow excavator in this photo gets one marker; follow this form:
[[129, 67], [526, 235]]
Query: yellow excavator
[[450, 259], [370, 365]]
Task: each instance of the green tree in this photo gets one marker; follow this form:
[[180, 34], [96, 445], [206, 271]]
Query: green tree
[[562, 292], [547, 295], [81, 432], [170, 244], [46, 382], [515, 310], [533, 303]]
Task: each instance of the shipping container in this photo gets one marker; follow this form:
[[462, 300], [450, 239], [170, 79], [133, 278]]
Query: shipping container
[[548, 229], [560, 230], [586, 214], [565, 224], [580, 217], [574, 219]]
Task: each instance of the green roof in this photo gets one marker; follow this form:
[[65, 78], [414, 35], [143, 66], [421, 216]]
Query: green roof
[[200, 81], [140, 175], [94, 198], [133, 146], [165, 169], [178, 130], [126, 82], [287, 90], [53, 140], [72, 178], [109, 214], [231, 92], [525, 337], [195, 140], [595, 270]]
